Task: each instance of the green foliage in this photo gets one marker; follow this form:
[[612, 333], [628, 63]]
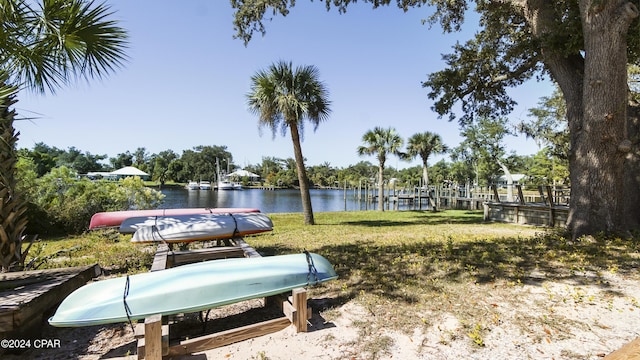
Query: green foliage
[[81, 163], [284, 97], [61, 203], [200, 163], [161, 165], [46, 158], [483, 147], [381, 142], [547, 169], [323, 175], [547, 125], [121, 160], [48, 45], [113, 251], [423, 145]]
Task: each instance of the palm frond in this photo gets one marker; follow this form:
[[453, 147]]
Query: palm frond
[[65, 40], [284, 97]]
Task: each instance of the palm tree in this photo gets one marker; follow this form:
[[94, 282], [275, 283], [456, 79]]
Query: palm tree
[[381, 142], [283, 97], [423, 145], [43, 46]]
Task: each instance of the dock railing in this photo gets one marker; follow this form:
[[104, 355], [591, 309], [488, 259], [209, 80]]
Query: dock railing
[[542, 205]]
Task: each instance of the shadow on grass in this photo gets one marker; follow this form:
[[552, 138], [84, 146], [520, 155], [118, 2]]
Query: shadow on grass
[[407, 271]]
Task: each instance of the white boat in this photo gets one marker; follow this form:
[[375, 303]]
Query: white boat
[[205, 185], [225, 185], [228, 185], [193, 185], [223, 180]]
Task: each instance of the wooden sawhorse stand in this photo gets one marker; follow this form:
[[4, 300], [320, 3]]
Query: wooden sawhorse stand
[[153, 336]]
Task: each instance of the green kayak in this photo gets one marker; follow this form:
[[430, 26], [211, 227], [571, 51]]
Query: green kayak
[[189, 288]]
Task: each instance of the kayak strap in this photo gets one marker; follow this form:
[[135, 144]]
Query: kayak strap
[[155, 231], [127, 310], [313, 272], [235, 222]]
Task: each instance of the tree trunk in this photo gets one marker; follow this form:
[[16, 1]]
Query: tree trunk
[[302, 177], [12, 208], [600, 143], [425, 174], [507, 174], [603, 157], [381, 185]]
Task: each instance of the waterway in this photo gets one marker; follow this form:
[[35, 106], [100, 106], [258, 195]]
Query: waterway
[[268, 201]]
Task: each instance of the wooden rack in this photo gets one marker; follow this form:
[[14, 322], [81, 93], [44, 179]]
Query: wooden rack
[[153, 336]]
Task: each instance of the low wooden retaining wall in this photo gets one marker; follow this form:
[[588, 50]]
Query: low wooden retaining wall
[[547, 213], [526, 214]]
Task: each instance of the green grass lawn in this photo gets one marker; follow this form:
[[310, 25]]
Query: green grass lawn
[[400, 265]]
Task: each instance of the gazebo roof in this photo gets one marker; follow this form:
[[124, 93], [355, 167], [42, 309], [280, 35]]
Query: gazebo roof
[[243, 173], [129, 171]]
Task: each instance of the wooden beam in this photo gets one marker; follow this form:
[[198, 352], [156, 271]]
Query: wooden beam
[[191, 256], [33, 293], [628, 352], [160, 259], [291, 313], [227, 337], [248, 250]]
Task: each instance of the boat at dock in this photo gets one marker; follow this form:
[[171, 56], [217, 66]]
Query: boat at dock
[[193, 185], [229, 185]]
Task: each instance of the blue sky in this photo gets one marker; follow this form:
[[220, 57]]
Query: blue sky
[[186, 80]]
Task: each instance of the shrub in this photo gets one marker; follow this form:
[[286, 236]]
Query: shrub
[[61, 203]]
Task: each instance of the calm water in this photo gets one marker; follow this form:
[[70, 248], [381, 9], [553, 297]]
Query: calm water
[[268, 201]]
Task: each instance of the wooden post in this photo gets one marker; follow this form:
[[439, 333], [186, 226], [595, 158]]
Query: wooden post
[[520, 194], [300, 305], [151, 345], [542, 196], [552, 215], [486, 211], [495, 193]]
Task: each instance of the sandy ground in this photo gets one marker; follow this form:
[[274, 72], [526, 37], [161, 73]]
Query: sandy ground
[[569, 319]]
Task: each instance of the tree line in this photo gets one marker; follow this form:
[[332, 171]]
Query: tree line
[[200, 162]]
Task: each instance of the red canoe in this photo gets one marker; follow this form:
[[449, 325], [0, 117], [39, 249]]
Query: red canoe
[[115, 218]]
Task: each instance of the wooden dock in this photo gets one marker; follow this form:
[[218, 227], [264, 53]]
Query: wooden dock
[[27, 296]]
